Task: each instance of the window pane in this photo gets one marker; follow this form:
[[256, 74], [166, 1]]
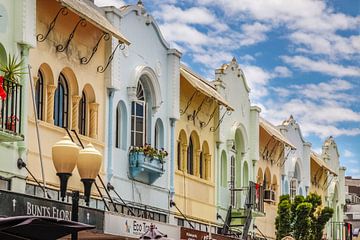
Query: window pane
[[139, 109], [139, 139], [132, 138], [139, 124], [132, 108]]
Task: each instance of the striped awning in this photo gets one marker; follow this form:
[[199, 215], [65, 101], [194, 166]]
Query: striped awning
[[81, 8], [274, 132], [203, 86]]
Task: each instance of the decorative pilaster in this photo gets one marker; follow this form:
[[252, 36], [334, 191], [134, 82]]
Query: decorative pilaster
[[93, 119], [207, 166], [50, 103], [183, 157], [197, 163], [75, 112]]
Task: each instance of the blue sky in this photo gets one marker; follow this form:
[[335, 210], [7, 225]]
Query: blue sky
[[299, 57]]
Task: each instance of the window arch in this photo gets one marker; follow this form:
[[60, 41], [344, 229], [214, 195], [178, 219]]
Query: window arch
[[245, 175], [202, 165], [138, 117], [121, 126], [159, 134], [223, 169], [190, 157], [181, 148], [39, 96], [205, 161], [61, 102], [82, 114]]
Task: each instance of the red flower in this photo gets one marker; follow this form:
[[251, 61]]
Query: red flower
[[2, 91]]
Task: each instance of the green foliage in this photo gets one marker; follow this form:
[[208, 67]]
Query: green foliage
[[282, 221], [12, 69], [302, 218], [302, 223]]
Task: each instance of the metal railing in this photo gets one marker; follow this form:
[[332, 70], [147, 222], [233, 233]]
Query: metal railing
[[10, 108]]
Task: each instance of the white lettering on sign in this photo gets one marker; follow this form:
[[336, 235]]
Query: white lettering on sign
[[43, 211]]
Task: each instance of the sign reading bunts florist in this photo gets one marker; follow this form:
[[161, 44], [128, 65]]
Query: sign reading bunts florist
[[132, 227], [192, 234]]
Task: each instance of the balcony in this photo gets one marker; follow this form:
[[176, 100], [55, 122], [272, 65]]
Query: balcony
[[10, 113], [145, 168]]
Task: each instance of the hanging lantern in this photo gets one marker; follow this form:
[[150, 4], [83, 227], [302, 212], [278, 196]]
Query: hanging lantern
[[64, 156], [88, 165]]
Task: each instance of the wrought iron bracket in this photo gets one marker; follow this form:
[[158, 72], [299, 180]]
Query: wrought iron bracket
[[287, 156], [194, 115], [102, 69], [62, 48], [228, 112], [85, 60], [189, 102], [210, 117], [40, 37]]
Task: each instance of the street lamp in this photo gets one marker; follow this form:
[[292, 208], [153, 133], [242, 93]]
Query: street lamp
[[66, 155]]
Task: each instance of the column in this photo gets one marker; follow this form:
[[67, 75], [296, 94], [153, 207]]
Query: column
[[93, 119], [197, 163], [75, 112], [184, 157], [172, 157], [207, 166], [50, 89]]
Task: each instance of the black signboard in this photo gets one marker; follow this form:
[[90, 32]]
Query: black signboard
[[17, 204]]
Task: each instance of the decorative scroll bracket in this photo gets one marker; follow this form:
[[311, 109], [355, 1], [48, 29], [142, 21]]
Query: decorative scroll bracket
[[189, 102], [62, 48], [287, 156], [203, 124], [102, 69], [85, 60], [40, 37], [228, 112], [194, 115]]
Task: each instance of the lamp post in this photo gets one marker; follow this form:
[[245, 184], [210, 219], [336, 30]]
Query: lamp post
[[66, 155]]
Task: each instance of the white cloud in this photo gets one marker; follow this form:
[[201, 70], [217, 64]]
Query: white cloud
[[116, 3], [321, 66], [253, 33], [348, 153], [282, 71]]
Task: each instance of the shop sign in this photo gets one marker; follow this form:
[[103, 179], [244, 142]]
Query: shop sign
[[192, 234], [127, 226], [16, 204]]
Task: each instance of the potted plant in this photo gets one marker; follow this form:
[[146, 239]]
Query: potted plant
[[12, 71]]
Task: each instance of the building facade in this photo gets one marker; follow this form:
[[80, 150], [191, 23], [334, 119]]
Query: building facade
[[143, 100]]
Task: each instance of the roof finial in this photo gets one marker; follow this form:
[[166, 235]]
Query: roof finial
[[140, 2]]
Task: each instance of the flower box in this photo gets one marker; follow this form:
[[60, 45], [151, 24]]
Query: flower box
[[145, 168]]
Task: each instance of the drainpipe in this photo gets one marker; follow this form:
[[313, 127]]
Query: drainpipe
[[172, 160], [111, 92]]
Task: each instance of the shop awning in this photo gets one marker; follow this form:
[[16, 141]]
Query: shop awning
[[320, 162], [95, 17], [274, 132], [201, 85], [41, 228]]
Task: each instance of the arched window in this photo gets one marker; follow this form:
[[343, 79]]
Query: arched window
[[179, 155], [82, 114], [138, 118], [159, 134], [232, 180], [293, 188], [202, 174], [190, 157], [61, 103], [223, 170], [121, 126], [39, 96]]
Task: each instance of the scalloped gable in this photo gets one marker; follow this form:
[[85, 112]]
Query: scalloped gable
[[330, 142], [233, 66], [139, 10], [291, 122]]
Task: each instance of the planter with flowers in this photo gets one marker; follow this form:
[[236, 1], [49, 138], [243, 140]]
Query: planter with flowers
[[146, 163]]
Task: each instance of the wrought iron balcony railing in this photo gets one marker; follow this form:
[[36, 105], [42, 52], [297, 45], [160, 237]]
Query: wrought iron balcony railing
[[10, 112]]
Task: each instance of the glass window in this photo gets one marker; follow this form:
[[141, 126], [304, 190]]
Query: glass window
[[117, 127], [223, 170], [82, 114], [293, 187], [39, 96], [138, 118], [179, 155], [61, 103], [190, 158]]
